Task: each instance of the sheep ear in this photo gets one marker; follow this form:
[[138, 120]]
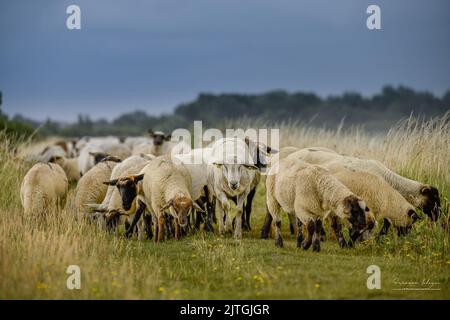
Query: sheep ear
[[197, 207], [218, 165], [150, 132], [362, 204], [271, 150], [55, 159], [247, 141], [167, 205], [111, 158], [111, 182], [426, 189], [168, 137], [138, 177], [251, 166], [413, 215]]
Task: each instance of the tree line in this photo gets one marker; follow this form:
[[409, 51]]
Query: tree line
[[375, 113]]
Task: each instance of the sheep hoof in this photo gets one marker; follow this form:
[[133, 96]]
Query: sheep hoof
[[208, 227], [279, 242], [264, 234], [316, 246], [343, 243]]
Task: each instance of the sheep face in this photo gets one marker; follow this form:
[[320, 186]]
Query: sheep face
[[413, 217], [180, 208], [127, 188], [159, 137], [261, 152], [355, 212], [232, 174], [431, 201]]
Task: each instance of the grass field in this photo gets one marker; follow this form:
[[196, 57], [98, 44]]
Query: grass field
[[35, 254]]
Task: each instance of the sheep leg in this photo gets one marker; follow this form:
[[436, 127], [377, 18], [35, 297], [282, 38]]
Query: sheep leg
[[209, 212], [177, 230], [310, 227], [248, 210], [384, 230], [292, 223], [274, 209], [337, 228], [265, 230], [162, 228], [148, 226], [155, 222], [137, 216], [240, 211], [317, 235], [300, 237]]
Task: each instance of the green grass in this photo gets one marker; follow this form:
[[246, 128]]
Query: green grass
[[34, 256]]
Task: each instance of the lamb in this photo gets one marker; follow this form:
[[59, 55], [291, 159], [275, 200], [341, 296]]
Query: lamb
[[384, 201], [165, 187], [420, 195], [230, 174], [90, 188], [311, 193], [44, 187]]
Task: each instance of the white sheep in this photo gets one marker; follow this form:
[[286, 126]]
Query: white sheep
[[420, 195], [383, 200], [310, 193], [70, 167], [91, 188], [158, 144], [44, 187], [231, 172], [165, 187]]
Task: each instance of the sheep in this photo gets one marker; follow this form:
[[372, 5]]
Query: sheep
[[90, 154], [165, 187], [311, 193], [68, 147], [283, 153], [420, 195], [130, 166], [196, 164], [230, 174], [158, 145], [90, 188], [44, 187], [119, 150], [383, 200], [70, 167]]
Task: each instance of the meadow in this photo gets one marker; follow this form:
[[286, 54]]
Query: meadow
[[35, 253]]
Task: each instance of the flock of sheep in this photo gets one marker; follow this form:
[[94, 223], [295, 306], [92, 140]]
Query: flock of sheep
[[157, 192]]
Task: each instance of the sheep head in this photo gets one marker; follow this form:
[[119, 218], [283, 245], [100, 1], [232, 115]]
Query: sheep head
[[180, 207], [159, 137], [431, 201], [128, 188]]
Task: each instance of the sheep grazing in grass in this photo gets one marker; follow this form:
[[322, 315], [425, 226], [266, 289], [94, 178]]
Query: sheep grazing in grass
[[165, 187], [231, 171], [91, 189], [420, 195], [44, 187], [311, 193], [383, 200]]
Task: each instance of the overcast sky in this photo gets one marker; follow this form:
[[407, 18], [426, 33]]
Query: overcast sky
[[153, 55]]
